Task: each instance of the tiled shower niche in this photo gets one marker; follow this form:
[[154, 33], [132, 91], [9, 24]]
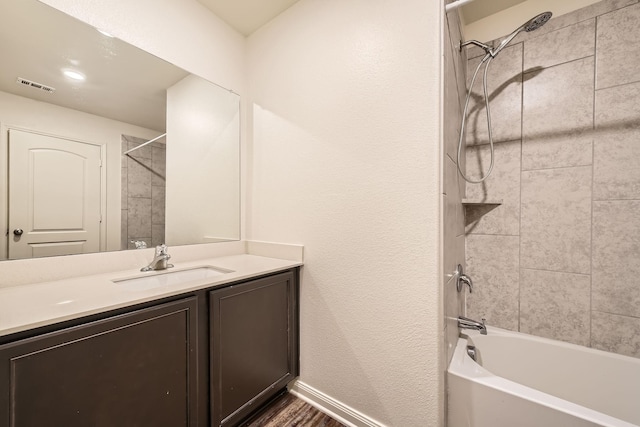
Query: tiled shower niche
[[560, 258], [143, 192]]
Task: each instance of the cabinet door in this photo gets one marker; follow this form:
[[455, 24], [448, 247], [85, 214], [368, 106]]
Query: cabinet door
[[254, 345], [135, 369]]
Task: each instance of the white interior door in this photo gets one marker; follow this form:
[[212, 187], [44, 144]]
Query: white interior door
[[54, 196]]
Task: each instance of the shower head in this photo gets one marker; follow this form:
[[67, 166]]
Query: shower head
[[531, 25], [537, 21]]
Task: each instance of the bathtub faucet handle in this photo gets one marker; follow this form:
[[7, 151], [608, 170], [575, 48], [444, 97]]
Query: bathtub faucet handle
[[463, 279]]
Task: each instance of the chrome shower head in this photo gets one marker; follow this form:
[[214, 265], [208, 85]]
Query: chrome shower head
[[537, 21], [531, 25]]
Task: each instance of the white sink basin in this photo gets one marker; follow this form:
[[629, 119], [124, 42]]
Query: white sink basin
[[171, 278]]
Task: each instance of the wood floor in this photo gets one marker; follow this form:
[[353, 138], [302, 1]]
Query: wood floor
[[289, 411]]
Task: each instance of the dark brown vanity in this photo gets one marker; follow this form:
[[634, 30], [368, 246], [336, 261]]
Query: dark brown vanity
[[210, 357]]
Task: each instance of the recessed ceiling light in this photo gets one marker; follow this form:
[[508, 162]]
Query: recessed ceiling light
[[74, 75], [104, 33]]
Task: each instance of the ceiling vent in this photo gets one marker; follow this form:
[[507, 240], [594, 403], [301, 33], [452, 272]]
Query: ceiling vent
[[36, 85]]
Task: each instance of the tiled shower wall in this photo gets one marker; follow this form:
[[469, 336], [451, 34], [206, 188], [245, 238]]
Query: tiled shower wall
[[452, 188], [560, 257], [143, 192]]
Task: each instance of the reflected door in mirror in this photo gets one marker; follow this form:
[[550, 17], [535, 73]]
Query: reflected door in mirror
[[54, 196]]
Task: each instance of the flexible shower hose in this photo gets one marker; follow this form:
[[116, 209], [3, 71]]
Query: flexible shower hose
[[486, 59]]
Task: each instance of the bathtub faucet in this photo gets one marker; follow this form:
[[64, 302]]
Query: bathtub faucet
[[463, 279], [466, 323]]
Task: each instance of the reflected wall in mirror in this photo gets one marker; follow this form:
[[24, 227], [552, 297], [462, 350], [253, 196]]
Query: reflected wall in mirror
[[73, 100]]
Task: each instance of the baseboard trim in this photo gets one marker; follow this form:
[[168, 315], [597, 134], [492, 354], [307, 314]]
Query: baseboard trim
[[335, 409]]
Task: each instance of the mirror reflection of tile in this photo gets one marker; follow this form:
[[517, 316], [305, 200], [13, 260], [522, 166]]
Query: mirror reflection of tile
[[143, 193]]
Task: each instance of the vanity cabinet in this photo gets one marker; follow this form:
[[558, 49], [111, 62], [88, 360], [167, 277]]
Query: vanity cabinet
[[253, 344], [133, 369], [210, 357]]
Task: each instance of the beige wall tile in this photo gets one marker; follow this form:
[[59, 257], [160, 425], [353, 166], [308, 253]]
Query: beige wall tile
[[558, 102], [558, 151], [452, 112], [139, 177], [588, 12], [157, 205], [616, 165], [557, 294], [453, 218], [451, 334], [556, 220], [617, 107], [563, 45], [616, 260], [157, 234], [618, 334], [492, 263], [616, 150], [453, 189], [449, 252], [503, 184], [124, 237], [158, 166], [459, 57], [618, 47], [140, 153], [453, 308], [555, 305], [453, 305], [139, 214], [504, 83], [124, 184]]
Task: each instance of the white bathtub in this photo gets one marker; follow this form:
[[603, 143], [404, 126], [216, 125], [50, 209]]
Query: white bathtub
[[526, 381]]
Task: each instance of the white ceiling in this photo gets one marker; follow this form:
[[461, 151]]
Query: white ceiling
[[123, 83], [38, 41], [246, 16]]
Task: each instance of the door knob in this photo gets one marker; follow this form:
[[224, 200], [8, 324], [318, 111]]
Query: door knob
[[18, 231]]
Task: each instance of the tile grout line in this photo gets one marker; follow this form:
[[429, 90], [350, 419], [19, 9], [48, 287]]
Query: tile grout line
[[554, 271], [522, 82], [634, 82], [593, 159]]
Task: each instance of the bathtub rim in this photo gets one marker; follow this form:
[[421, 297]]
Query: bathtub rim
[[464, 367]]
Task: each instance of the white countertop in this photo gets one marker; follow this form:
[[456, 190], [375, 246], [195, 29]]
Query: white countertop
[[33, 305]]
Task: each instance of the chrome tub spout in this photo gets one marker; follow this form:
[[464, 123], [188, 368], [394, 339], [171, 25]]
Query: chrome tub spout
[[466, 323]]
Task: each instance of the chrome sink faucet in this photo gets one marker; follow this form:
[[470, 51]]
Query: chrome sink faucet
[[466, 323], [160, 260]]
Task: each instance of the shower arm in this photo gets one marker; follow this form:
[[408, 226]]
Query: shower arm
[[477, 43]]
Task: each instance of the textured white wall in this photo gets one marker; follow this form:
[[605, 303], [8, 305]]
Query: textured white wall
[[203, 123], [344, 158]]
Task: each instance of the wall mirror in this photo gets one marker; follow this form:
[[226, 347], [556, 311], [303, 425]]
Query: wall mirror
[[75, 105]]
